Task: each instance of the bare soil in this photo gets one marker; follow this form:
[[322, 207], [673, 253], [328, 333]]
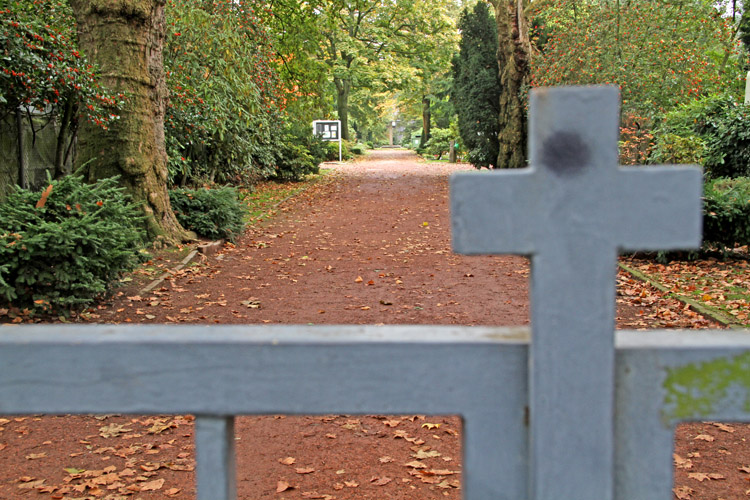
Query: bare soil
[[372, 246]]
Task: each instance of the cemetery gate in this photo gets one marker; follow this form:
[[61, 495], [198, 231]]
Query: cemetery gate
[[569, 410]]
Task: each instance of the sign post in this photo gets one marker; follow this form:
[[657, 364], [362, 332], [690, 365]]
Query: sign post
[[328, 130]]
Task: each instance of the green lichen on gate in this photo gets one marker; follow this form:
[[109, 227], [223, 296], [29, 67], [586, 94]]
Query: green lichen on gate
[[697, 390]]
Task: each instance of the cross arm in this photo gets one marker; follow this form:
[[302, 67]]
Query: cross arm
[[667, 215], [491, 212]]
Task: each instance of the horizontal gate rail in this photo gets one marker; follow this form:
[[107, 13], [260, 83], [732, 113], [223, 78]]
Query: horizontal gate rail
[[478, 373]]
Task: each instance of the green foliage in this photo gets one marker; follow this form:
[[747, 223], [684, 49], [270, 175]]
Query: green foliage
[[726, 212], [332, 151], [293, 158], [476, 86], [358, 149], [224, 113], [673, 148], [211, 212], [64, 247], [714, 131], [661, 54], [41, 66], [439, 143]]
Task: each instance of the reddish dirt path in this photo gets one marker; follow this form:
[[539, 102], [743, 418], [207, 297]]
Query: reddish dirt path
[[371, 247]]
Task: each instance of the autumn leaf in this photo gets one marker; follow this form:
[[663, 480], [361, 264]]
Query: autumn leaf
[[287, 460], [702, 476], [723, 427], [415, 465], [172, 492], [351, 484], [36, 456], [682, 463], [283, 486], [422, 454], [43, 200], [704, 437], [429, 426], [380, 481], [358, 279], [683, 492], [30, 483], [304, 470], [152, 485], [113, 430], [385, 459]]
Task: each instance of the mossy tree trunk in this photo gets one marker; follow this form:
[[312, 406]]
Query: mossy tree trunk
[[125, 39], [513, 56]]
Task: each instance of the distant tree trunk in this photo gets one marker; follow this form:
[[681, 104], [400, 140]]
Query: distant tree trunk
[[426, 121], [125, 38], [23, 167], [513, 59], [63, 135], [343, 87]]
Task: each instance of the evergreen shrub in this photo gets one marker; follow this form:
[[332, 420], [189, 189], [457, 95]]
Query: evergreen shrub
[[726, 212], [64, 247], [211, 212]]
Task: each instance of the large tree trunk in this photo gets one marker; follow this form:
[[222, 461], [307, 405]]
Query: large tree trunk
[[426, 122], [513, 58], [343, 87], [125, 38]]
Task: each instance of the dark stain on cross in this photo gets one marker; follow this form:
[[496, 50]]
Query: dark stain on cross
[[565, 153]]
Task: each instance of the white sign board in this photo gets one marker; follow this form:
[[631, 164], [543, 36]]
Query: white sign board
[[328, 130]]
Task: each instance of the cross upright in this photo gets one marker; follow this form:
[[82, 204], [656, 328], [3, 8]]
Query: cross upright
[[572, 211]]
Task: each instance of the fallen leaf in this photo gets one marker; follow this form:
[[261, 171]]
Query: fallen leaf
[[682, 463], [744, 469], [172, 492], [351, 484], [31, 483], [392, 423], [304, 470], [283, 486], [113, 430], [380, 481], [385, 460], [430, 426], [723, 427], [358, 279], [422, 454], [682, 493], [702, 476], [704, 437], [152, 485], [415, 465], [36, 456], [287, 460]]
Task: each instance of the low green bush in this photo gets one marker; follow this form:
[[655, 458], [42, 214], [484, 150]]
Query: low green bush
[[358, 149], [64, 247], [211, 212], [333, 151], [726, 212], [714, 131], [293, 163]]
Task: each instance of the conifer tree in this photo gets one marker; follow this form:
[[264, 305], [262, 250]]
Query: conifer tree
[[476, 85]]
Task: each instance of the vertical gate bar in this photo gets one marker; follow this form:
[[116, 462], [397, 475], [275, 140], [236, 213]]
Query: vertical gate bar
[[215, 460]]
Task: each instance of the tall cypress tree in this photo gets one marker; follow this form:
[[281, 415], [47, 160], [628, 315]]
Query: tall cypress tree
[[476, 85]]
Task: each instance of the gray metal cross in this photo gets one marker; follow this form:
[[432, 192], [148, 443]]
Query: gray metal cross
[[572, 211]]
